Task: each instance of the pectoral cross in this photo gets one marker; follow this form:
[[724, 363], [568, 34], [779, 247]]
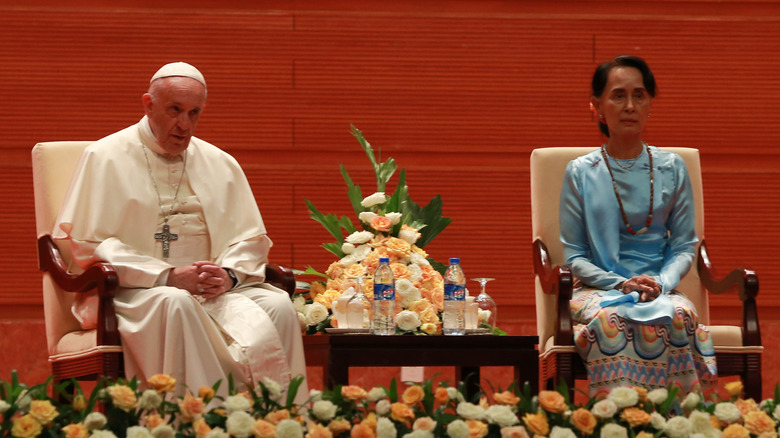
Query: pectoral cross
[[166, 236]]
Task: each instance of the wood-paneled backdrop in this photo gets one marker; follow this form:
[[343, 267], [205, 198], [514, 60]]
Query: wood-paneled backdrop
[[458, 92]]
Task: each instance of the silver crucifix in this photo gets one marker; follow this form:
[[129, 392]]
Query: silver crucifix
[[166, 236]]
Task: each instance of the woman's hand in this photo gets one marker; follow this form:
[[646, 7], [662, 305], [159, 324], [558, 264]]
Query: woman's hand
[[648, 288]]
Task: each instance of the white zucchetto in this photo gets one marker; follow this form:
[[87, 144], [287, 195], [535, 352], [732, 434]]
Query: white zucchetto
[[179, 69]]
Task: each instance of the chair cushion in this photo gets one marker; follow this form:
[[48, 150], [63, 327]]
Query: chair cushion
[[75, 343]]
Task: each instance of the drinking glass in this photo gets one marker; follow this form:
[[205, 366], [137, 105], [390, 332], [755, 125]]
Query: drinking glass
[[487, 307], [358, 308]]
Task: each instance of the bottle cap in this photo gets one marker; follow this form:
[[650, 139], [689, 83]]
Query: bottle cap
[[384, 259], [455, 261]]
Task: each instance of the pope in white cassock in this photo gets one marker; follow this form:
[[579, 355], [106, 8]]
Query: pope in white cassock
[[177, 219]]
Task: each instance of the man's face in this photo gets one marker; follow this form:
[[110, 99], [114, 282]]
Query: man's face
[[173, 106]]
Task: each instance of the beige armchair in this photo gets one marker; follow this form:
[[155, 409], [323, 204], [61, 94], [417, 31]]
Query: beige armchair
[[738, 348], [74, 352]]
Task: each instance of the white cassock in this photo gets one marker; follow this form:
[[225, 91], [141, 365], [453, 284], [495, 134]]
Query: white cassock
[[112, 212]]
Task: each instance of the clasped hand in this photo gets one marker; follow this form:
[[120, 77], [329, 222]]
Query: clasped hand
[[648, 288], [201, 278]]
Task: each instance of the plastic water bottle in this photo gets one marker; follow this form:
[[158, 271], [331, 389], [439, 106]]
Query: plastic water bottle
[[454, 299], [384, 299]]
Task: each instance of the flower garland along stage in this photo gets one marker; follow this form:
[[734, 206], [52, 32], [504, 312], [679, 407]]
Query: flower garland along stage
[[390, 226], [419, 411]]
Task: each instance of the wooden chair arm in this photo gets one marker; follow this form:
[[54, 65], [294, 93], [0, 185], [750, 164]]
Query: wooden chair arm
[[746, 283], [281, 277], [556, 280], [100, 276]]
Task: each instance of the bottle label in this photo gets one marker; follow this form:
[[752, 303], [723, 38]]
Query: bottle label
[[384, 292], [454, 292]]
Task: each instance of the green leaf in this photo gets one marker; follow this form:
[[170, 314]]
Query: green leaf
[[334, 248], [354, 193], [330, 221], [309, 271], [435, 222]]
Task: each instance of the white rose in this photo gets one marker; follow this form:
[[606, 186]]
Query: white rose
[[163, 431], [274, 389], [612, 430], [361, 252], [299, 302], [419, 434], [454, 394], [658, 396], [776, 413], [315, 395], [348, 260], [470, 411], [623, 396], [407, 293], [347, 248], [102, 434], [4, 406], [562, 432], [418, 259], [23, 401], [359, 237], [367, 216], [383, 407], [657, 421], [150, 400], [289, 429], [700, 422], [376, 393], [239, 424], [325, 410], [697, 435], [678, 427], [138, 432], [372, 200], [302, 321], [502, 415], [385, 428], [415, 272], [95, 420], [458, 429], [394, 217], [690, 401], [727, 412], [407, 320], [604, 409], [316, 313], [408, 236], [217, 432], [236, 403], [484, 315]]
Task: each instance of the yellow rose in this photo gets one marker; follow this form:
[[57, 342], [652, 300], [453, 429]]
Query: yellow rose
[[319, 431], [339, 426], [123, 397], [206, 393], [162, 382], [381, 223], [758, 422], [506, 398], [397, 247], [79, 403], [191, 407], [715, 422], [275, 417], [355, 271], [441, 394], [429, 316], [400, 271], [413, 395], [153, 420], [327, 298], [644, 435], [642, 392], [734, 388], [552, 401], [635, 416], [353, 392], [75, 430], [370, 420], [401, 412], [419, 306], [746, 406], [483, 402], [362, 431], [263, 429], [584, 421], [537, 424], [428, 328], [316, 288], [477, 429], [43, 411], [736, 430], [334, 271], [416, 248], [26, 427]]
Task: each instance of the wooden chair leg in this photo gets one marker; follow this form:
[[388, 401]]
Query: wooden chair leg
[[751, 377], [566, 372]]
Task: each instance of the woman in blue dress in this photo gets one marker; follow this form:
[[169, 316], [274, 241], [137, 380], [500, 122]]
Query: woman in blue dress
[[628, 233]]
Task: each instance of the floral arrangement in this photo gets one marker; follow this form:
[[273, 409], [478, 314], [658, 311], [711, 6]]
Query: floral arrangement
[[419, 411], [391, 226]]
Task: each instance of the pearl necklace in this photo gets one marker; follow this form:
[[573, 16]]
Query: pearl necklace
[[617, 195]]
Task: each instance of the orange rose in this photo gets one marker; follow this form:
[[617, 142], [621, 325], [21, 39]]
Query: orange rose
[[746, 406], [419, 306], [437, 299], [413, 395], [644, 435], [263, 429], [316, 288], [483, 402], [274, 417], [441, 395], [75, 430], [123, 397], [477, 429], [154, 420], [424, 423], [206, 393], [537, 424], [353, 392], [715, 422], [635, 416], [400, 271], [381, 223], [335, 270], [506, 398], [514, 432], [327, 298], [758, 422], [339, 426], [584, 421], [202, 429], [736, 430], [191, 407], [642, 392], [26, 427], [370, 420], [43, 411], [319, 431], [552, 401], [362, 431], [734, 388], [354, 271], [401, 412], [162, 382]]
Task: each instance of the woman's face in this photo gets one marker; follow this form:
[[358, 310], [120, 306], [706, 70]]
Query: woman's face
[[625, 104]]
